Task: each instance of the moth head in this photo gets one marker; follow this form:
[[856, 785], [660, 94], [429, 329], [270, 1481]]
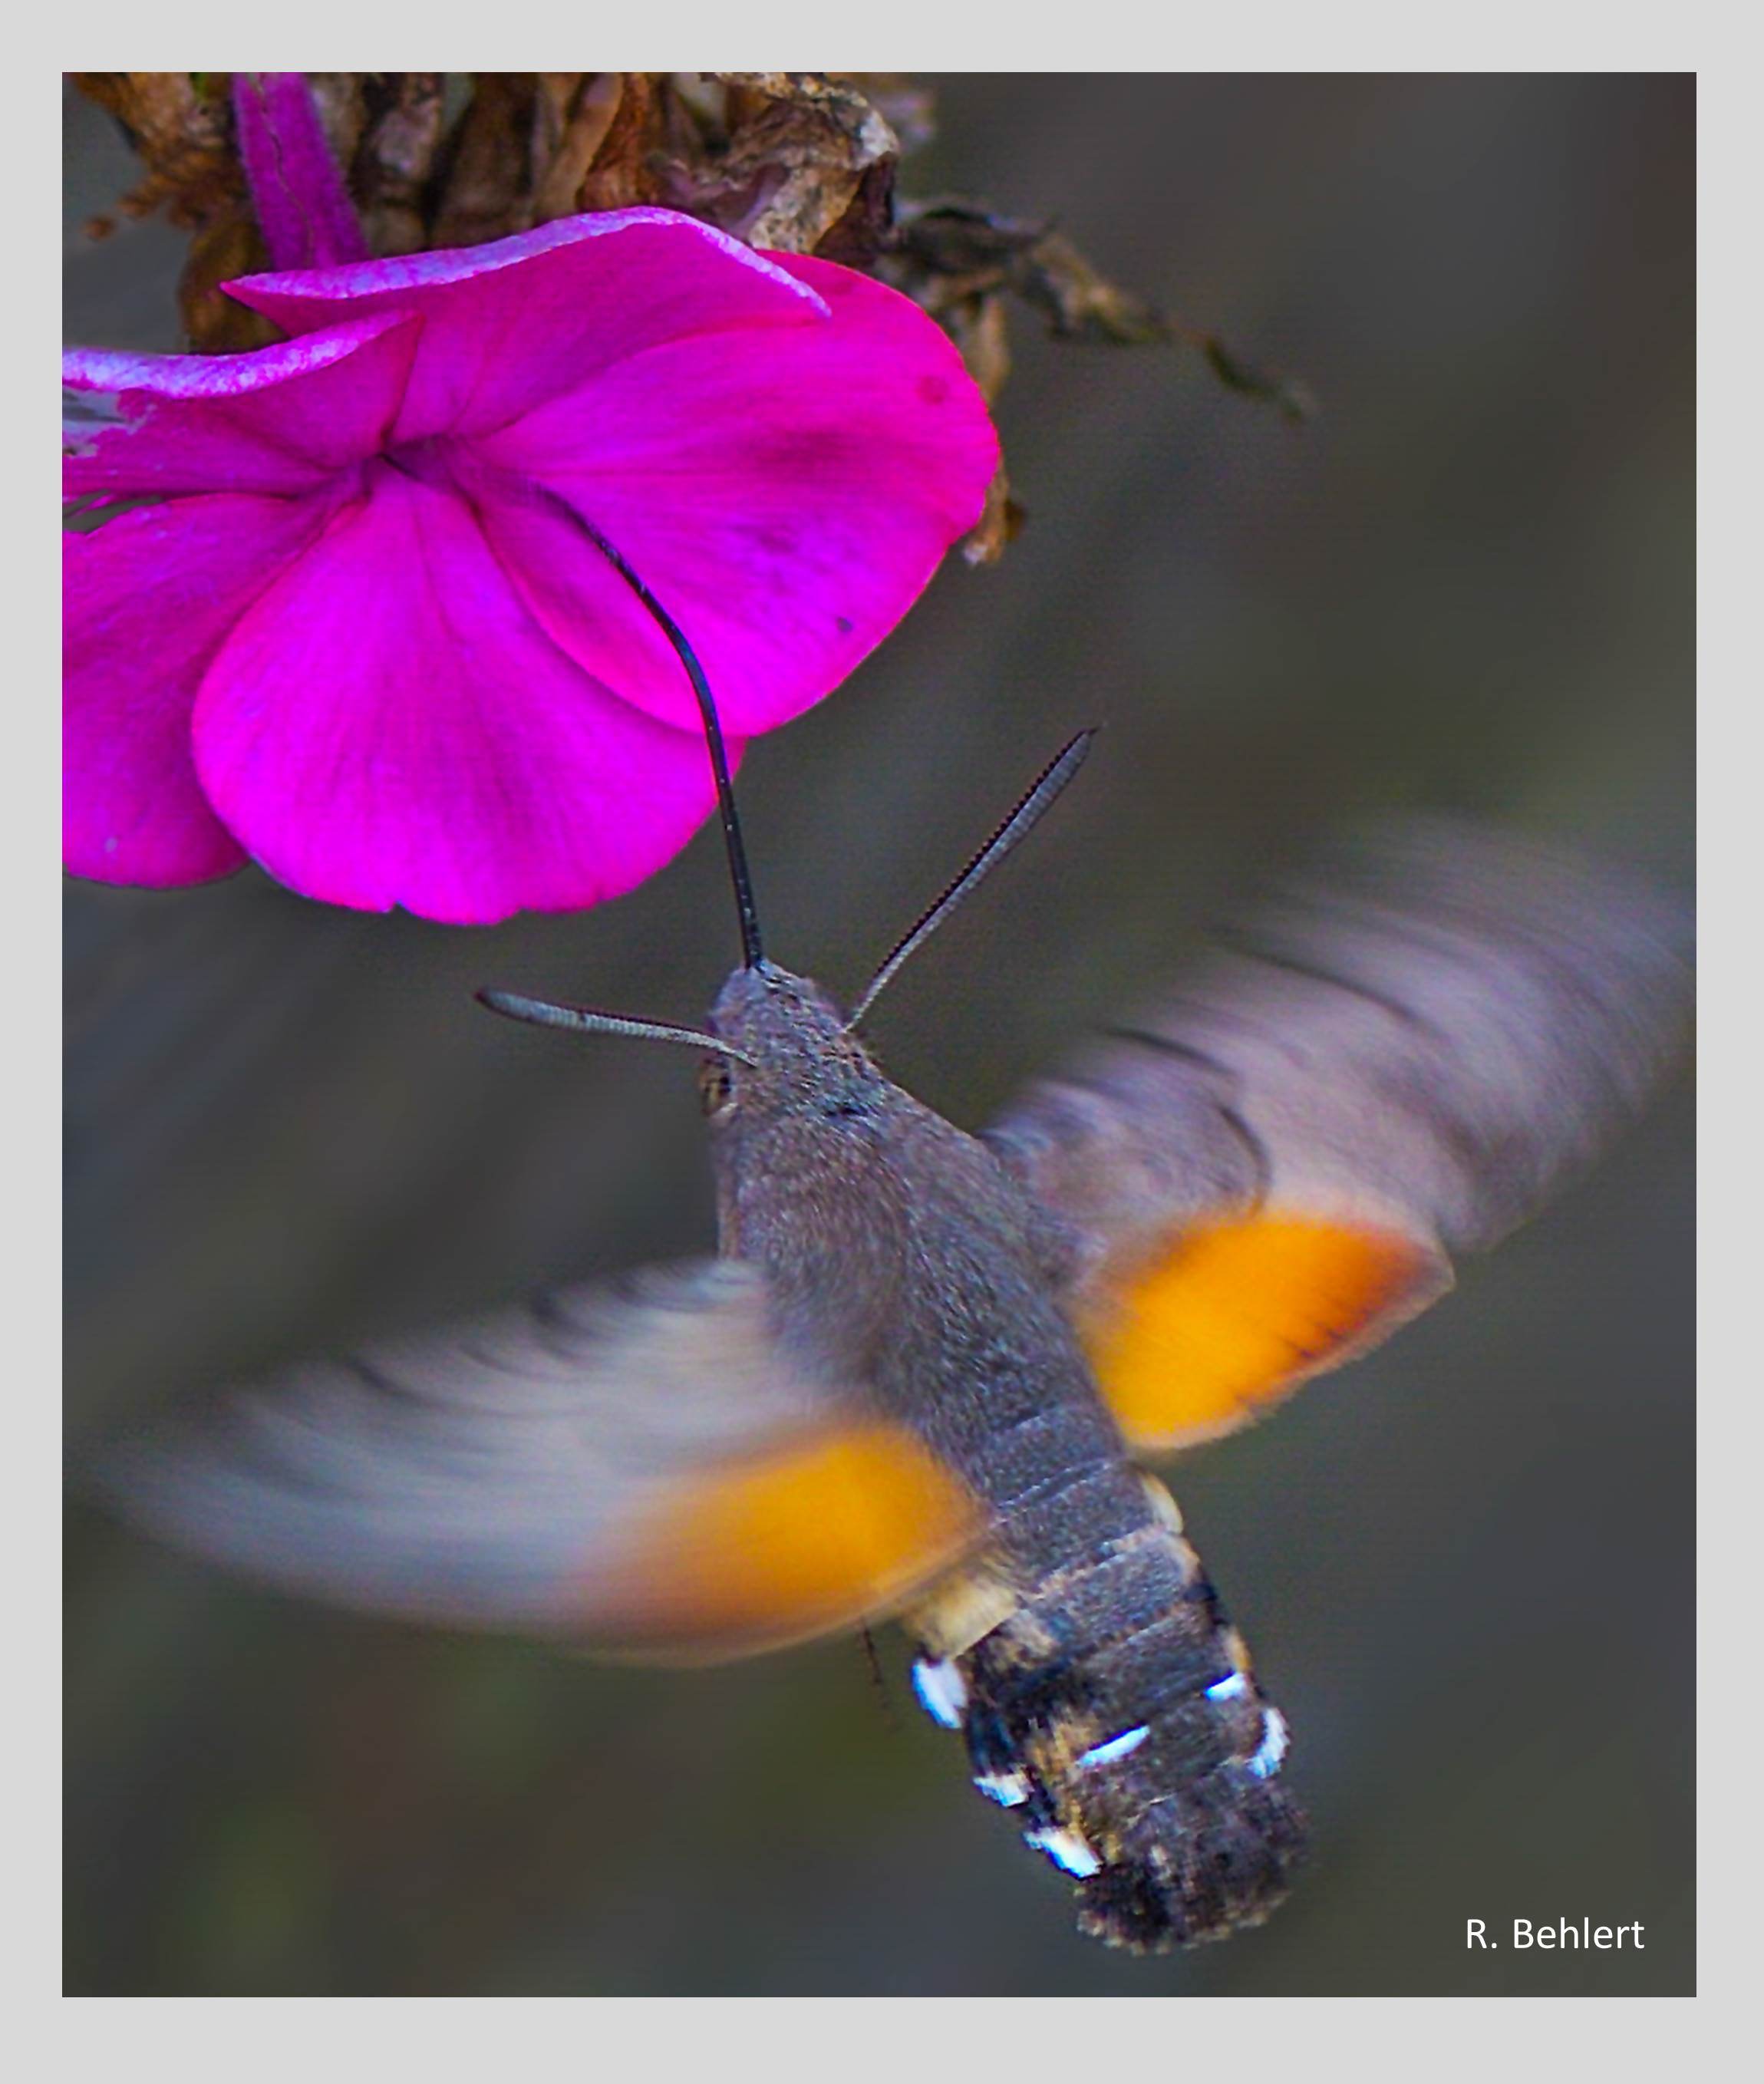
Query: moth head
[[786, 1048]]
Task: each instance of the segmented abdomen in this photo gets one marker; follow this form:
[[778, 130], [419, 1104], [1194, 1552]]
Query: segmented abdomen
[[1110, 1704]]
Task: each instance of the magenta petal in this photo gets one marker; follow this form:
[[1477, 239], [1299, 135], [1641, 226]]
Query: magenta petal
[[785, 497], [148, 599], [387, 725], [281, 420], [508, 325]]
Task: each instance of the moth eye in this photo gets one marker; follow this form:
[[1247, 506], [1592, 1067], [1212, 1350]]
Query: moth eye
[[715, 1089]]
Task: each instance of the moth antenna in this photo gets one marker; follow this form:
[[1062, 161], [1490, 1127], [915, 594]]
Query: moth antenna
[[752, 952], [1022, 821], [586, 1020]]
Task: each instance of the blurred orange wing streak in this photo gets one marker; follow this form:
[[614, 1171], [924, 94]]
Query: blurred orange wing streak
[[775, 1550], [1234, 1316]]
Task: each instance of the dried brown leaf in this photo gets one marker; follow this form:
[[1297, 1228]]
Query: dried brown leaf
[[1001, 521], [576, 112], [181, 125], [817, 139], [394, 163], [981, 330], [229, 246], [487, 190], [626, 169], [1296, 400], [952, 256], [1077, 302], [909, 109], [796, 162]]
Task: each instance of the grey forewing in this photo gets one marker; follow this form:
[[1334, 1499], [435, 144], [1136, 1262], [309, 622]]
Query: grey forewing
[[1442, 1022], [480, 1472]]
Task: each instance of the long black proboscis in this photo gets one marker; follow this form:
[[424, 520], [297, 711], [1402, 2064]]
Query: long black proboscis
[[588, 1020], [751, 951], [1022, 821]]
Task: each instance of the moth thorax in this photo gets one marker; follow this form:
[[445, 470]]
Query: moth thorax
[[1114, 1710]]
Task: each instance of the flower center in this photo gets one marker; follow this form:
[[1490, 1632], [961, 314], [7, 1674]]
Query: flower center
[[429, 461]]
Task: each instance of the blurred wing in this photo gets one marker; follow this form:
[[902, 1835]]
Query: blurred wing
[[1265, 1172], [642, 1466]]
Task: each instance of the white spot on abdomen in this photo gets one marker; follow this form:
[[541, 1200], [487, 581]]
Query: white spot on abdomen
[[942, 1690], [1274, 1744], [1008, 1789], [1067, 1849], [1116, 1747]]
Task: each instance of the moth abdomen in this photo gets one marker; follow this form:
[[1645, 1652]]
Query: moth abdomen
[[1112, 1708], [1205, 1861]]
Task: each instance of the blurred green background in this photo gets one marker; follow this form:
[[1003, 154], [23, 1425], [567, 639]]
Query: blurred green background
[[1465, 1565]]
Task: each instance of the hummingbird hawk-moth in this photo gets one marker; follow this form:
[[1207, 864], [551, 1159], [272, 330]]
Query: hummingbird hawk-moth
[[924, 1376]]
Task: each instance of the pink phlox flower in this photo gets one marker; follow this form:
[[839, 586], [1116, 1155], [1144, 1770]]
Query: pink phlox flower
[[343, 621]]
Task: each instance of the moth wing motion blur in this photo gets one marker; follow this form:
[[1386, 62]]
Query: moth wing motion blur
[[1259, 1178], [1264, 1173], [640, 1467]]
